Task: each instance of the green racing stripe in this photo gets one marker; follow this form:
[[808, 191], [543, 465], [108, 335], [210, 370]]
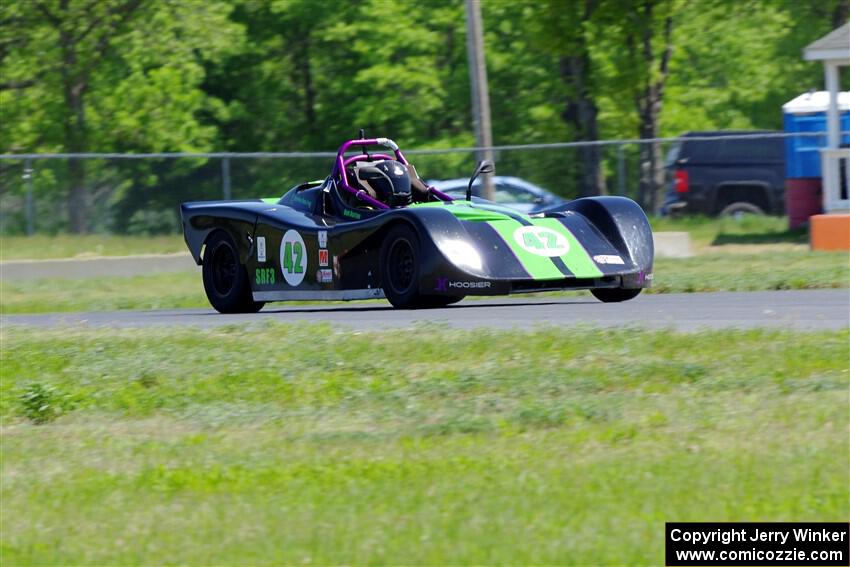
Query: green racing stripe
[[538, 267], [505, 222], [577, 260]]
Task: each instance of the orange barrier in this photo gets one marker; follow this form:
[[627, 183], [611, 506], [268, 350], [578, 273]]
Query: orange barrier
[[830, 232]]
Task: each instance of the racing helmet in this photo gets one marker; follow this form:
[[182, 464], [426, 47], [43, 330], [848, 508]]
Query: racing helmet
[[387, 180]]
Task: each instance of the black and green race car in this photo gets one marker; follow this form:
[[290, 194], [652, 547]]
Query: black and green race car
[[374, 229]]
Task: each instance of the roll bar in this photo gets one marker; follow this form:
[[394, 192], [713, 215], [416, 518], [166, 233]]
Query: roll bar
[[341, 163]]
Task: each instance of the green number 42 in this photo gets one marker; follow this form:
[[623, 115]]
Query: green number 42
[[292, 255], [532, 240]]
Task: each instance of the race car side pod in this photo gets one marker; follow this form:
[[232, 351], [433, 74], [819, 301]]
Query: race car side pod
[[484, 166]]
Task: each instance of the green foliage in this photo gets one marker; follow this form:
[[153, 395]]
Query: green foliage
[[139, 67], [145, 222], [110, 76], [241, 75], [39, 404], [737, 63]]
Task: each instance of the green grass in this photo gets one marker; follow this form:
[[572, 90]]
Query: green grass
[[715, 233], [41, 247], [155, 291], [276, 444], [704, 232], [766, 270], [713, 272]]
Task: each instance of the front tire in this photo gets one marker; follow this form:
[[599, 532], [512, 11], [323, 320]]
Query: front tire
[[400, 267], [615, 295], [225, 279]]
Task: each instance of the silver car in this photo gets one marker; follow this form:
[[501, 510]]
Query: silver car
[[511, 192]]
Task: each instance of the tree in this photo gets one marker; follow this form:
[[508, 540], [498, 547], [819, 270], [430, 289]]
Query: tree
[[310, 78], [82, 76], [649, 43], [735, 64], [566, 31], [634, 48]]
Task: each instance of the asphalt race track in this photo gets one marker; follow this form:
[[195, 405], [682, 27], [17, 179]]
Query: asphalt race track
[[797, 310]]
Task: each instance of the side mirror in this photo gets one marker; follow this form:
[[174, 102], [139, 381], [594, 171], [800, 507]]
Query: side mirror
[[484, 166]]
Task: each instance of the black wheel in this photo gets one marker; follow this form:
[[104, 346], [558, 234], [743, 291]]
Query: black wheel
[[741, 208], [615, 294], [225, 280], [400, 267]]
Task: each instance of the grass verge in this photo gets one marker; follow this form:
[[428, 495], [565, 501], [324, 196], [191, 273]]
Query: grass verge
[[713, 272], [276, 444], [718, 233], [706, 234], [43, 247]]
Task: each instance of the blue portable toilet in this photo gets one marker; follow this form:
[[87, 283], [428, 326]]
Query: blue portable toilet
[[807, 113], [803, 186]]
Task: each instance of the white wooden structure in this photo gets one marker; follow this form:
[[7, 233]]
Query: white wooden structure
[[833, 50]]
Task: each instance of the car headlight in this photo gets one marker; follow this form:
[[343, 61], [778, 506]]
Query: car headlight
[[461, 253]]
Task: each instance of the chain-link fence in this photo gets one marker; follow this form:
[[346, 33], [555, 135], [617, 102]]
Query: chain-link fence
[[140, 193]]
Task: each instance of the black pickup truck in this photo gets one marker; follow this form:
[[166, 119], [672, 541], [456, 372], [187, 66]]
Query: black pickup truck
[[726, 176]]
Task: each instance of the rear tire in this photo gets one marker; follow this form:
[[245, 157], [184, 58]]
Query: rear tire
[[225, 279], [615, 294], [400, 267]]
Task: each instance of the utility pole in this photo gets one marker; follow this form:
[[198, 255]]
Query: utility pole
[[480, 93]]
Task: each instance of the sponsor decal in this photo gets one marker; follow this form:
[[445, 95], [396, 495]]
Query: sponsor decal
[[323, 239], [644, 277], [468, 285], [541, 241], [323, 258], [264, 276], [293, 257], [301, 201], [443, 285], [608, 259], [351, 214], [324, 275], [261, 249]]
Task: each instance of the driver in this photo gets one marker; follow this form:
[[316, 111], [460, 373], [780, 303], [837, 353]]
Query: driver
[[387, 181]]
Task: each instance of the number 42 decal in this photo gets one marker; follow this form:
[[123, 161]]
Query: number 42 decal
[[293, 260], [537, 240], [292, 253], [541, 241]]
